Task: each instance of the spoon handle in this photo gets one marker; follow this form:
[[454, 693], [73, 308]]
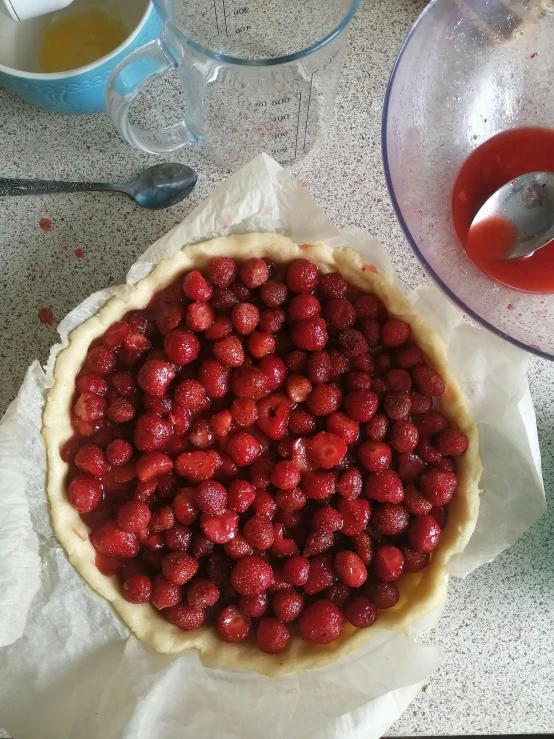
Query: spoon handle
[[44, 187]]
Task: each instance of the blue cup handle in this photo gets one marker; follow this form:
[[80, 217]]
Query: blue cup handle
[[145, 65]]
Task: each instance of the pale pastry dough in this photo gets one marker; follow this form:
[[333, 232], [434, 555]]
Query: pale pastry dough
[[420, 592]]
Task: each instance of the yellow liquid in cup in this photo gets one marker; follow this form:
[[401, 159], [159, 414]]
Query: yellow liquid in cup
[[76, 40]]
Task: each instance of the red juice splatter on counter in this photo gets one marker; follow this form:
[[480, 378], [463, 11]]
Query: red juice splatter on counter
[[493, 164], [79, 253], [45, 224], [46, 316]]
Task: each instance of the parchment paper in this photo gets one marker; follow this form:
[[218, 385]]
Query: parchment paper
[[69, 667]]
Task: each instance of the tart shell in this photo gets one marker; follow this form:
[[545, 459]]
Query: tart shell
[[419, 593]]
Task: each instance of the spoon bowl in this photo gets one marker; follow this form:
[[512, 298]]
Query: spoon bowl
[[162, 185], [524, 211]]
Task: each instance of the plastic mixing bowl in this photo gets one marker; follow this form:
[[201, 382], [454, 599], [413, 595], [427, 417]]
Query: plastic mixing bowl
[[468, 70]]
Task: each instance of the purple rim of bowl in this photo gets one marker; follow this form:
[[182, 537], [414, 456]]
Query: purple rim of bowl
[[425, 264]]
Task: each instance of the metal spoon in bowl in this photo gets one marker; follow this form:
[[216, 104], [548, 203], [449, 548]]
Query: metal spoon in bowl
[[527, 204], [157, 187]]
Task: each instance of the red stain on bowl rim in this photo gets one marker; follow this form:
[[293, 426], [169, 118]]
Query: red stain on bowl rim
[[46, 316], [45, 224], [370, 268], [79, 253]]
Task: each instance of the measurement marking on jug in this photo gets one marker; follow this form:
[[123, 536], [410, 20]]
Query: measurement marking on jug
[[225, 17], [216, 20], [298, 124], [308, 109]]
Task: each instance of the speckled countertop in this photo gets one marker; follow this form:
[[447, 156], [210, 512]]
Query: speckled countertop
[[498, 627]]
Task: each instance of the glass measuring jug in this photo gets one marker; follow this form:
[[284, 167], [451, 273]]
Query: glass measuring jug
[[257, 75]]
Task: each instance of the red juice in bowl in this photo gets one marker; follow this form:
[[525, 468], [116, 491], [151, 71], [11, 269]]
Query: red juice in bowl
[[500, 159]]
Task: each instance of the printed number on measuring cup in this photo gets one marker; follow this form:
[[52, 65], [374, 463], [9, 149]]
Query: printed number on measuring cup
[[280, 118], [242, 29], [240, 11]]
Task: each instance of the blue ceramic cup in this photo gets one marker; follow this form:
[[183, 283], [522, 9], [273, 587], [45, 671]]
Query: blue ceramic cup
[[78, 91]]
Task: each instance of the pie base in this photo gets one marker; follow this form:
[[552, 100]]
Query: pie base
[[419, 593]]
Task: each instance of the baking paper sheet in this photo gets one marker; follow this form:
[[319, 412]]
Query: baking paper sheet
[[68, 667]]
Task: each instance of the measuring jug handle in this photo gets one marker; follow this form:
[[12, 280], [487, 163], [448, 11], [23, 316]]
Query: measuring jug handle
[[129, 78]]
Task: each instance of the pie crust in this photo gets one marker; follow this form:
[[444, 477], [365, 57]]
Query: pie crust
[[420, 592]]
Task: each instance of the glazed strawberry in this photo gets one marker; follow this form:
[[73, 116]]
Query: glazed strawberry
[[220, 528], [254, 272], [219, 329], [229, 351], [388, 563], [415, 561], [383, 595], [137, 589], [301, 422], [338, 593], [399, 381], [389, 519], [302, 276], [303, 308], [440, 514], [243, 448], [386, 487], [245, 318], [410, 467], [438, 487], [382, 363], [101, 360], [258, 532], [285, 476], [414, 502], [358, 380], [282, 547], [273, 415], [111, 541], [185, 617], [201, 593], [428, 382], [321, 622], [375, 456], [324, 400], [310, 335], [395, 332], [90, 459], [273, 293], [397, 406], [151, 432], [272, 320], [120, 410], [240, 495], [352, 343], [222, 271], [424, 533], [274, 371], [179, 567], [261, 343], [326, 449], [296, 570], [431, 423], [427, 452], [91, 383], [168, 319], [195, 286], [339, 314], [287, 605], [361, 405], [253, 606], [408, 355], [200, 546], [201, 435], [327, 519], [210, 497], [341, 425], [249, 382], [371, 330], [272, 636], [360, 612], [379, 387], [199, 316], [318, 542], [182, 347], [291, 501], [154, 376], [152, 465], [251, 575], [178, 538], [321, 574], [368, 306], [350, 568], [238, 548], [403, 436], [451, 442], [133, 516], [355, 514], [214, 378], [90, 407], [232, 625], [198, 466], [119, 452], [350, 484], [332, 285], [224, 299], [85, 493], [446, 464], [162, 519], [298, 388]]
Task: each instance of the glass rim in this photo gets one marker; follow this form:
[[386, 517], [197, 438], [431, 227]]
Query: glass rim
[[266, 62], [400, 217]]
